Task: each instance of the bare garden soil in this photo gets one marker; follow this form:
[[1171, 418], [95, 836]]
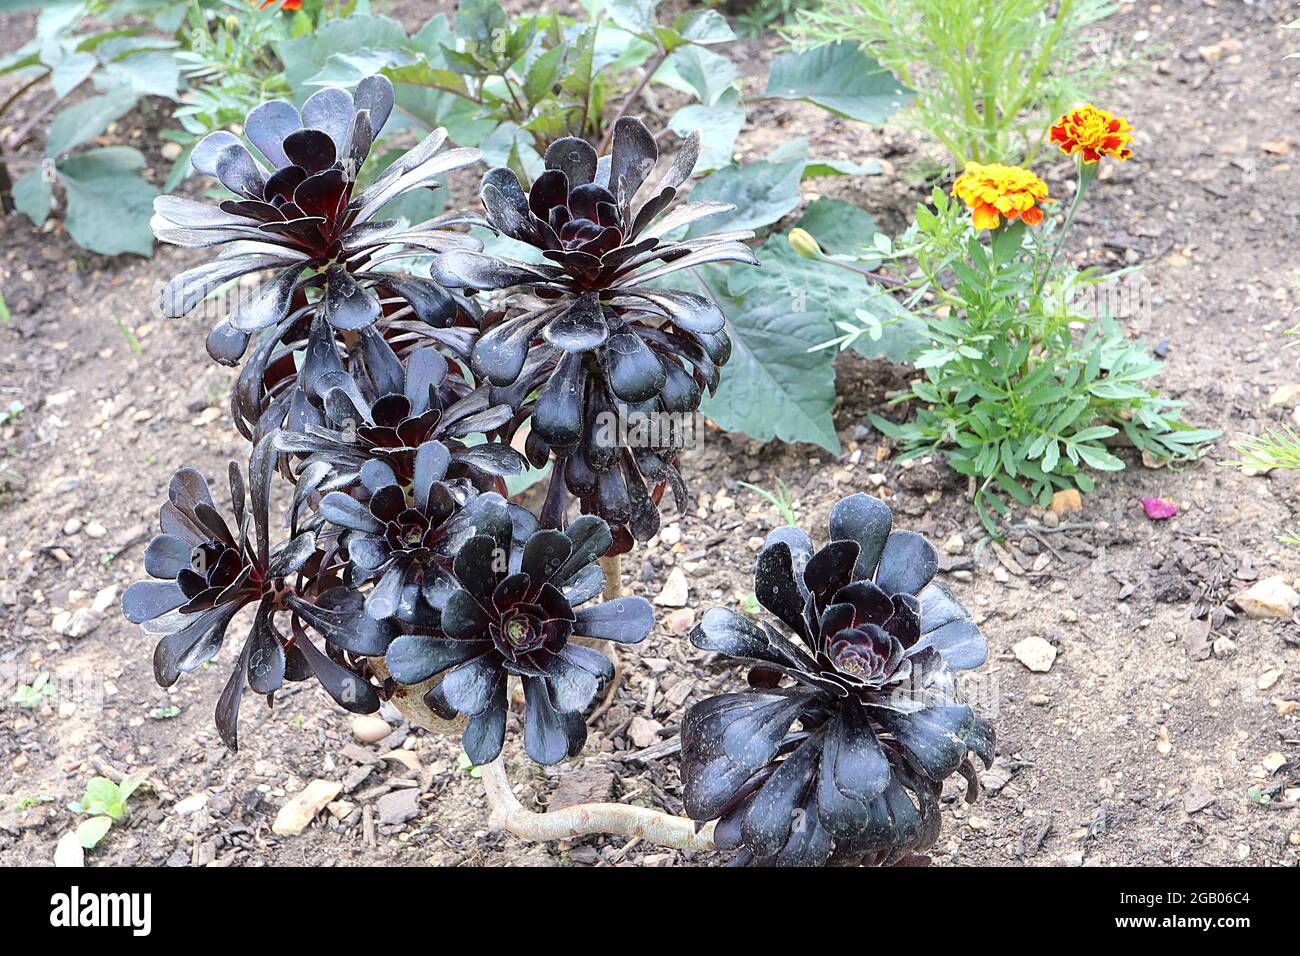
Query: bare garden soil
[[1162, 709]]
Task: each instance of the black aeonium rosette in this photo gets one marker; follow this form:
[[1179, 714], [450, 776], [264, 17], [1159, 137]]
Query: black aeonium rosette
[[206, 572], [591, 335], [514, 610], [300, 218], [864, 663], [400, 406]]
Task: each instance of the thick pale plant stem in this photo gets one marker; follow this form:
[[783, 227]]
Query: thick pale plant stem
[[612, 565], [616, 819]]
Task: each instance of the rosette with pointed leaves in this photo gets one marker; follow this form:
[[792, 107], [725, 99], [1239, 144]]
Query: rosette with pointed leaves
[[511, 611], [299, 217], [205, 573], [402, 406], [864, 663], [593, 336]]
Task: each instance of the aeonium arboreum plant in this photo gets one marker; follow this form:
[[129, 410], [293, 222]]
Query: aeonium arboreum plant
[[589, 336], [511, 607], [206, 572], [862, 660]]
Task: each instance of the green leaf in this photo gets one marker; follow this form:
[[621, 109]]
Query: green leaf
[[90, 832], [703, 26], [34, 196], [634, 16], [841, 78], [85, 120], [698, 71], [147, 74], [773, 386], [543, 74], [762, 192], [304, 56], [71, 69], [101, 796], [838, 226], [719, 125], [841, 167], [481, 21], [109, 205]]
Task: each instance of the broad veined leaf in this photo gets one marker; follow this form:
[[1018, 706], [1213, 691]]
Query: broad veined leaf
[[109, 205], [841, 78], [84, 121], [762, 193], [719, 125]]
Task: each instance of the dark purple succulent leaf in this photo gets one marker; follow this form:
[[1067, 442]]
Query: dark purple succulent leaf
[[932, 738], [907, 564], [413, 658], [226, 715], [240, 172], [330, 109], [485, 732], [558, 415], [265, 654], [625, 620], [346, 512], [174, 651], [687, 310], [546, 734], [463, 269], [544, 554], [476, 567], [830, 569], [375, 95], [723, 631], [867, 521], [463, 617], [777, 586], [166, 556], [688, 154], [580, 328], [633, 158], [574, 157], [771, 811], [267, 126], [572, 687], [348, 306], [269, 304], [146, 600], [428, 300], [468, 688], [312, 149], [506, 205], [979, 739], [584, 585], [206, 152], [357, 146], [591, 540], [188, 289], [348, 689], [322, 194], [593, 662], [500, 354], [338, 615], [291, 558], [635, 372]]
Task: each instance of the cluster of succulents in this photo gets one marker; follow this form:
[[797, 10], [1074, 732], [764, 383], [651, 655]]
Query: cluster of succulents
[[390, 371]]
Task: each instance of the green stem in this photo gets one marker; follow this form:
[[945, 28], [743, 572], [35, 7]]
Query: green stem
[[1087, 173]]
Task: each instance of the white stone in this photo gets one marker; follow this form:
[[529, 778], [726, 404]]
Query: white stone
[[191, 804], [954, 545], [676, 592], [1271, 597], [1036, 654], [297, 814], [68, 851], [95, 530], [370, 729]]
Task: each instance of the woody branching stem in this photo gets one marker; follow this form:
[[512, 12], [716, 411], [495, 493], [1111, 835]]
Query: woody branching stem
[[616, 819]]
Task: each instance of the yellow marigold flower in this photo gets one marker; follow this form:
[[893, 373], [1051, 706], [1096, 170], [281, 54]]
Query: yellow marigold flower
[[1094, 133], [994, 192]]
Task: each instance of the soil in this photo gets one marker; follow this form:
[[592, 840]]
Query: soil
[[1140, 746]]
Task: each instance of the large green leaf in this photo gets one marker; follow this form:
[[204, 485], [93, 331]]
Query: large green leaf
[[305, 56], [109, 205], [84, 121], [698, 72], [153, 73], [773, 387], [719, 125], [841, 78], [34, 196], [762, 193]]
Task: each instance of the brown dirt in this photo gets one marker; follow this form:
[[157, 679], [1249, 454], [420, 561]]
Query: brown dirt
[[1101, 759]]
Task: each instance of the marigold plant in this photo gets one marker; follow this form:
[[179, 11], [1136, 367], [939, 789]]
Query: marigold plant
[[1092, 133], [995, 192]]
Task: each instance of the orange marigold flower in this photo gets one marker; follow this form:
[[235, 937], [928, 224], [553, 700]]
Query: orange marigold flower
[[1093, 133], [994, 192], [284, 4]]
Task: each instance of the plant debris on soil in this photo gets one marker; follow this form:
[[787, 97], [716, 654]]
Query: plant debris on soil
[[1163, 728]]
